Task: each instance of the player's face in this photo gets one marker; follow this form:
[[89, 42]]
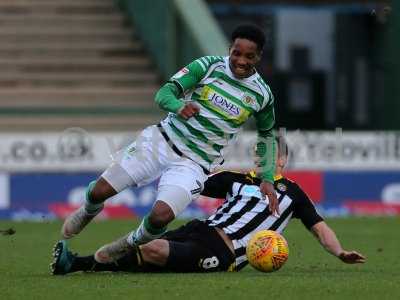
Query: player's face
[[243, 56]]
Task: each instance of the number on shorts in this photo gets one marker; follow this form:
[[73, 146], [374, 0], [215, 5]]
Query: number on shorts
[[210, 262]]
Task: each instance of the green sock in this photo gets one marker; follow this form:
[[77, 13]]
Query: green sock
[[145, 232], [151, 229], [91, 208]]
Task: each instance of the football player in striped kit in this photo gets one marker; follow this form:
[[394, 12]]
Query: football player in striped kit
[[208, 102], [219, 243]]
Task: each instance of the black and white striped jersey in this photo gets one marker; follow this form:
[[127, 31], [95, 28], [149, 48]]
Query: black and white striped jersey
[[246, 211]]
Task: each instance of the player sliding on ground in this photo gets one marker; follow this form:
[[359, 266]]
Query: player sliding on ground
[[208, 102], [218, 243]]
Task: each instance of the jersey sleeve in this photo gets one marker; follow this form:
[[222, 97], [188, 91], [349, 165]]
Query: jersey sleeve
[[265, 152], [189, 76], [265, 121], [167, 98], [265, 118], [304, 208], [220, 184]]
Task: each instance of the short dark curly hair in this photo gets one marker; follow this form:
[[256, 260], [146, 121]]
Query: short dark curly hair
[[250, 32]]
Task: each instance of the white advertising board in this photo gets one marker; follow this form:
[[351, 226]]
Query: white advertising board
[[71, 150], [4, 191], [335, 150], [79, 150]]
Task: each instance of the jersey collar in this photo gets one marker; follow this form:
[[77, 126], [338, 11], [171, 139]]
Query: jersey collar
[[278, 177]]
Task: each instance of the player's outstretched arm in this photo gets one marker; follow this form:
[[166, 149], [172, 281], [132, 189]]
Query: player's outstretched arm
[[327, 237], [265, 153]]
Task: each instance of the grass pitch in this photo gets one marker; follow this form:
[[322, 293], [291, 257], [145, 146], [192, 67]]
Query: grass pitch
[[310, 272]]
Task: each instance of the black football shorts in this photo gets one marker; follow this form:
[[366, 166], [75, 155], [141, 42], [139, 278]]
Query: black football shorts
[[197, 247]]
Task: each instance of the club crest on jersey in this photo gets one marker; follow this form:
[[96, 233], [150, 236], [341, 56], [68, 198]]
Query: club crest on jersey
[[181, 73], [281, 187], [249, 100]]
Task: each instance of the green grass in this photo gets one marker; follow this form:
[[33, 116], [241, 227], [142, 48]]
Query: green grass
[[310, 272]]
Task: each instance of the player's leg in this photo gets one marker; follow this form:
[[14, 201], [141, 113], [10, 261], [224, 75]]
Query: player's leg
[[65, 262], [171, 200], [156, 255], [178, 186], [114, 180], [180, 183], [136, 165], [152, 227], [152, 256], [194, 247]]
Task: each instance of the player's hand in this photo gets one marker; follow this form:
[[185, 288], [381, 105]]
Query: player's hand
[[189, 110], [267, 189], [351, 257]]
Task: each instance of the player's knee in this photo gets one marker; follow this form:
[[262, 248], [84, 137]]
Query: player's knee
[[161, 214], [101, 191], [155, 251]]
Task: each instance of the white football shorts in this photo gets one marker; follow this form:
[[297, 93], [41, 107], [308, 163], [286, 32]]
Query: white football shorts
[[150, 157]]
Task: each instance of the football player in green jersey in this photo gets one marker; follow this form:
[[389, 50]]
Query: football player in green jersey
[[208, 102]]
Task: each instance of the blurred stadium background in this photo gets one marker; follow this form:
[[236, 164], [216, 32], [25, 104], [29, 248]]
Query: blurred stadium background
[[77, 81]]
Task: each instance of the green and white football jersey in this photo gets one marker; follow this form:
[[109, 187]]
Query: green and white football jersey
[[225, 103]]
